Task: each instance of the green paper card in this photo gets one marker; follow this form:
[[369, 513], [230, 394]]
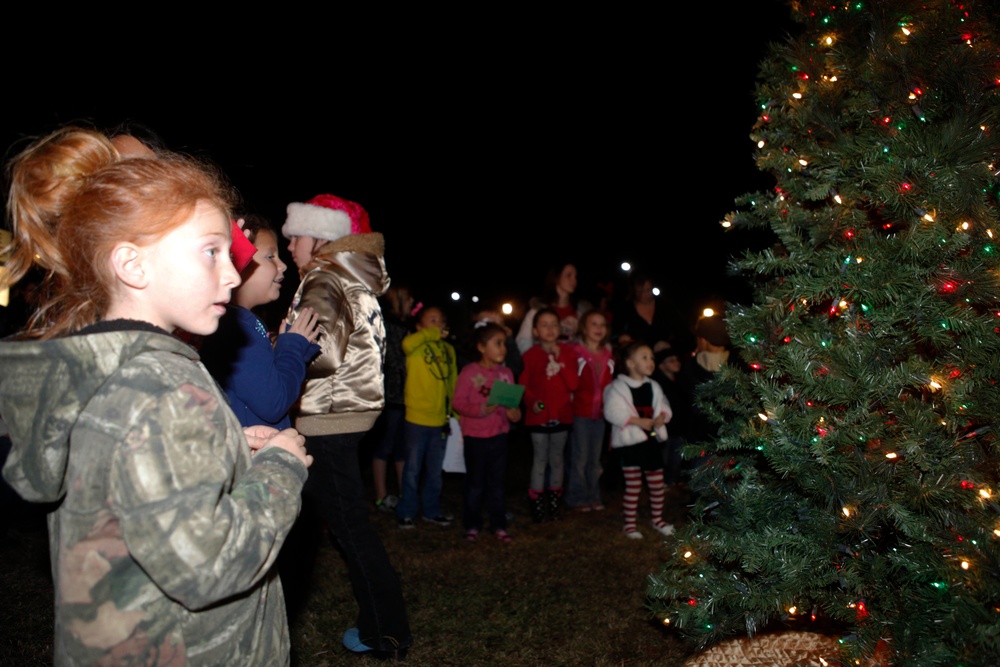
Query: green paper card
[[506, 394]]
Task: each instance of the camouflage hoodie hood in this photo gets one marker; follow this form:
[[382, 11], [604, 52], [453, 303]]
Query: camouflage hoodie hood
[[44, 385], [167, 526]]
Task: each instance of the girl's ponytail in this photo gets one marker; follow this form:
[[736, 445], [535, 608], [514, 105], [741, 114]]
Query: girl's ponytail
[[45, 178]]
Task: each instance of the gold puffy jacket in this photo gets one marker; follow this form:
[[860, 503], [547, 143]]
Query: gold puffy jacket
[[343, 390]]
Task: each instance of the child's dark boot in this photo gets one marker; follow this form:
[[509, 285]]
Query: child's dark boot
[[553, 498], [538, 506]]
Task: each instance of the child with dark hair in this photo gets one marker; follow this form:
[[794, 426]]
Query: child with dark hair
[[595, 367], [637, 410], [549, 379], [712, 351], [513, 359], [485, 427], [431, 371], [669, 374], [390, 441], [262, 382]]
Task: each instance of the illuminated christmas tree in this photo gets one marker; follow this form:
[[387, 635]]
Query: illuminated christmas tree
[[853, 485]]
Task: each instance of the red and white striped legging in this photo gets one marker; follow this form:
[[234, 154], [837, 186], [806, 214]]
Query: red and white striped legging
[[633, 487]]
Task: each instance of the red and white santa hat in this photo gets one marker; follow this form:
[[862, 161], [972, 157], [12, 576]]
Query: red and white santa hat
[[326, 217]]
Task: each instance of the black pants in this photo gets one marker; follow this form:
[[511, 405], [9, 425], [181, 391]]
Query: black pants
[[485, 478], [335, 493]]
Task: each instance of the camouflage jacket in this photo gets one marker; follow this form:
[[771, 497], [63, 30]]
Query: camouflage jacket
[[166, 529]]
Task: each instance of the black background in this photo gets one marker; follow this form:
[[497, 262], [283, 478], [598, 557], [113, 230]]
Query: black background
[[485, 146]]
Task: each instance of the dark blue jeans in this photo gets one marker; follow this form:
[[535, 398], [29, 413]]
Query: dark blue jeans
[[586, 442], [673, 464], [485, 475], [424, 453], [336, 493]]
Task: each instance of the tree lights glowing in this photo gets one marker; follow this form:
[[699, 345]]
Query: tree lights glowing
[[857, 448]]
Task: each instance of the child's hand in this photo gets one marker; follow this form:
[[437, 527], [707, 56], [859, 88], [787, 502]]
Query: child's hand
[[514, 414], [291, 441], [306, 324], [645, 423], [257, 436], [489, 409], [239, 223]]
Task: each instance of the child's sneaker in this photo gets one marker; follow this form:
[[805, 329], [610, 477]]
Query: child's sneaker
[[352, 642], [633, 534], [471, 535], [407, 523], [502, 535], [665, 529], [441, 520], [387, 504]]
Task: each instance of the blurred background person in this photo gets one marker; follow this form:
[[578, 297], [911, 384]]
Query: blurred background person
[[390, 442], [559, 295], [641, 316]]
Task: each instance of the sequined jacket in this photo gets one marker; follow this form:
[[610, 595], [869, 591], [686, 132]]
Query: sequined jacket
[[343, 391]]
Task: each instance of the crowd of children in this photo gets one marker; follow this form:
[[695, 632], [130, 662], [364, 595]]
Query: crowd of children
[[578, 405], [194, 423]]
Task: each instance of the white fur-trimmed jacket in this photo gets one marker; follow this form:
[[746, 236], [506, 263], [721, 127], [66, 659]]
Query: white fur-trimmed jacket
[[618, 408]]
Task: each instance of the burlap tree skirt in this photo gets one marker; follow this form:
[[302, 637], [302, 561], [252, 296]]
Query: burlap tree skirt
[[783, 649]]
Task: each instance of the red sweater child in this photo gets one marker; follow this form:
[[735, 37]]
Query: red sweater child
[[596, 370], [549, 379]]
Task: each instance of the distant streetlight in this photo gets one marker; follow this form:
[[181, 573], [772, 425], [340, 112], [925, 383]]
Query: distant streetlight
[[656, 291], [626, 267], [455, 296], [475, 299], [507, 309]]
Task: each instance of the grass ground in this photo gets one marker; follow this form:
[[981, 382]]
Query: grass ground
[[569, 592]]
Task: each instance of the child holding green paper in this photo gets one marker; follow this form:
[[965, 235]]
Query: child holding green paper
[[485, 427]]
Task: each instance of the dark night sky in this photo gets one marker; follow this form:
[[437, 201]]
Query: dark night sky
[[484, 147]]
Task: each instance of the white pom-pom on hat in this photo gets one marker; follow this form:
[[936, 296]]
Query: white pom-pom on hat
[[325, 217]]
